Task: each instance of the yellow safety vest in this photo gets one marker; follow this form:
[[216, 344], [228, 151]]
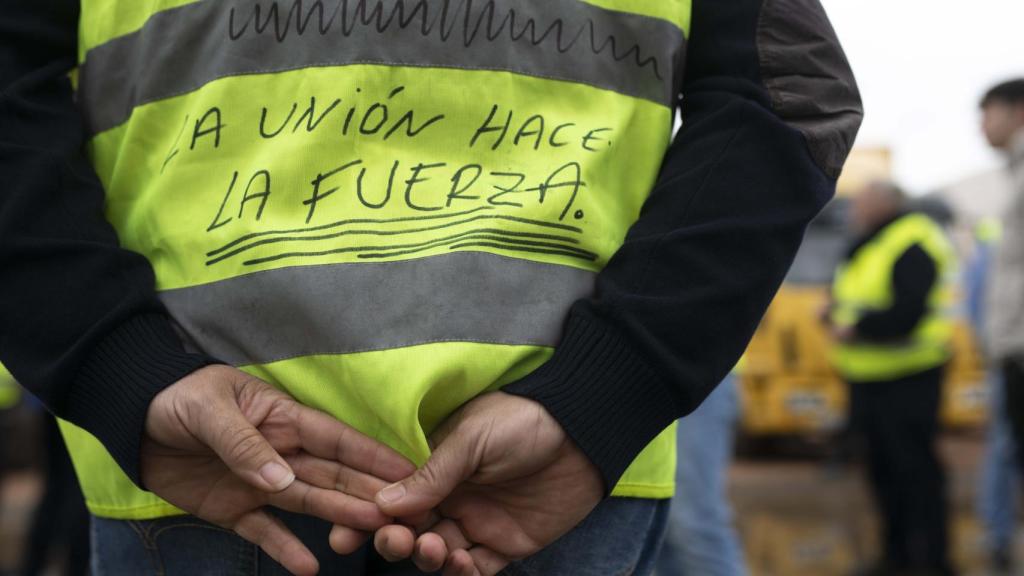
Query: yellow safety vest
[[10, 392], [864, 284], [383, 207]]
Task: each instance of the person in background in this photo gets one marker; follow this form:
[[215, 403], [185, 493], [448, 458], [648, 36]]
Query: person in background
[[59, 531], [701, 539], [996, 496], [892, 345], [1003, 125], [60, 524]]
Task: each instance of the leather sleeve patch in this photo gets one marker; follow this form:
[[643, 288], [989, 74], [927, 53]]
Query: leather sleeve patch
[[809, 79]]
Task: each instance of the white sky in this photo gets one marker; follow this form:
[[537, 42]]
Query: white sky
[[922, 66]]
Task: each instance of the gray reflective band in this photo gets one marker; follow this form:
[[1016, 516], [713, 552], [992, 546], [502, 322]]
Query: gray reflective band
[[181, 49], [345, 308]]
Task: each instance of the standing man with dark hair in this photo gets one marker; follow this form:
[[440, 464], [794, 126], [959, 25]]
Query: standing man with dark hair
[[455, 232], [1003, 125], [892, 334]]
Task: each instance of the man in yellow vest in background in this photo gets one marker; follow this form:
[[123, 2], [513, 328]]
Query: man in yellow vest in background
[[300, 274], [889, 319]]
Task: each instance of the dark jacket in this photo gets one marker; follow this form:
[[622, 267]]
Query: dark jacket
[[770, 110], [913, 276]]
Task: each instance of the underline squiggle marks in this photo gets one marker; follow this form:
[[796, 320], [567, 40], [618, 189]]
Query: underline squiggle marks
[[333, 235], [494, 238]]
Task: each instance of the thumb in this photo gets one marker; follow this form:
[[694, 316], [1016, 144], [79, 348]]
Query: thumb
[[449, 465], [247, 453]]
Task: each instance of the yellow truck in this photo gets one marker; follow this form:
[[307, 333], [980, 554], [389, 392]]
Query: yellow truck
[[787, 385]]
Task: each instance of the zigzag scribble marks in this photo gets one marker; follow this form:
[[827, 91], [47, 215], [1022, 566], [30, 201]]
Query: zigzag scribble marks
[[479, 22]]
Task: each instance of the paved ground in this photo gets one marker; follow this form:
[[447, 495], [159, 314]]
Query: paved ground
[[803, 518], [797, 518]]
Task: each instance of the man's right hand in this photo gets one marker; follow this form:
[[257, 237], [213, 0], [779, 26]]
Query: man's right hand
[[221, 445]]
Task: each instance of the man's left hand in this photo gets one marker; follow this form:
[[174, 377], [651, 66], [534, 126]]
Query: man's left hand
[[506, 481]]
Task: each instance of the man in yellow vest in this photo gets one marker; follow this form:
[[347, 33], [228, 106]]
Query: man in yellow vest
[[890, 321], [435, 273]]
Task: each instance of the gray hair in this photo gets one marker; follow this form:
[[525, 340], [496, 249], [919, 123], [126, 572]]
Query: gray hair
[[889, 191]]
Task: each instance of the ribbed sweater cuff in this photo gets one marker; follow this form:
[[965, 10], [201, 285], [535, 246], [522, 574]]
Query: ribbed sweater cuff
[[608, 400], [112, 391]]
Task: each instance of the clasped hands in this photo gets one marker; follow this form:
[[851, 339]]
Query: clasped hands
[[503, 482]]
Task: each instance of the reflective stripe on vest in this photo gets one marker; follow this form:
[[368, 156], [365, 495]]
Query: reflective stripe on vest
[[384, 207], [864, 284]]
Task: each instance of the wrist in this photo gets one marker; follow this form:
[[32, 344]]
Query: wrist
[[112, 392], [607, 399]]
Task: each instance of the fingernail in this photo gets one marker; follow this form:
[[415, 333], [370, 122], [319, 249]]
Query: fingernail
[[393, 493], [276, 475]]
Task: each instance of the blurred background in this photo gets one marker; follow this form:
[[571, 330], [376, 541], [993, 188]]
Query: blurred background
[[800, 502]]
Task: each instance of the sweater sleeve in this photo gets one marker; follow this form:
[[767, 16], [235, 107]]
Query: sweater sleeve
[[770, 110], [80, 324]]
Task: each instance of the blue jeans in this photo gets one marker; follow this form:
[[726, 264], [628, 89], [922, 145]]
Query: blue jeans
[[621, 537], [701, 540], [998, 495]]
